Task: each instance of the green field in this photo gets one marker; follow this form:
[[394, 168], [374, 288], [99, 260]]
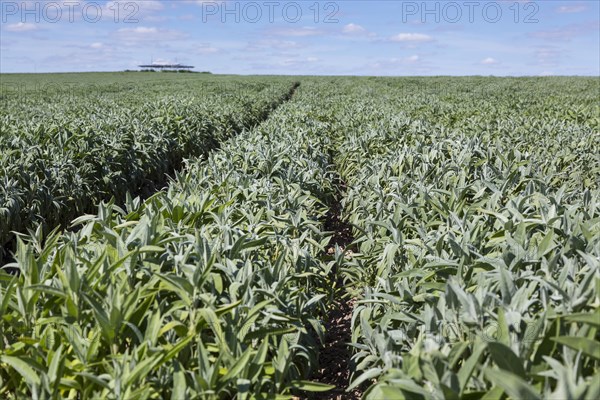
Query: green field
[[214, 237], [71, 140]]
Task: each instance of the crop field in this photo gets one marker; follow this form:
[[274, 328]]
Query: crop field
[[189, 236]]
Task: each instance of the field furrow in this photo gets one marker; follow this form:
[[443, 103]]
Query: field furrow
[[375, 238]]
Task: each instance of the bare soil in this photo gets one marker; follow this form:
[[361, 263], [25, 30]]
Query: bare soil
[[335, 355]]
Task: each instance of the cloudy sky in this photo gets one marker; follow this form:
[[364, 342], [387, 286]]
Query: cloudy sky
[[512, 37]]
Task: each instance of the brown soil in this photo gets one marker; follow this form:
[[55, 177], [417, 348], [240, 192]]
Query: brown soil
[[335, 354]]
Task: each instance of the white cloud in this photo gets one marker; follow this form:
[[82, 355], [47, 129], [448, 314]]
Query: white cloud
[[134, 36], [571, 9], [206, 48], [548, 56], [411, 37], [139, 30], [150, 5], [162, 61], [200, 2], [568, 32], [289, 62], [21, 27], [410, 61], [298, 32], [131, 11], [489, 61], [157, 18], [97, 45], [270, 44], [131, 8], [295, 61], [353, 29]]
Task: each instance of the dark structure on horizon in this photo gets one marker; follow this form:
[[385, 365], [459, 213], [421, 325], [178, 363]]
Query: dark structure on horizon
[[167, 66]]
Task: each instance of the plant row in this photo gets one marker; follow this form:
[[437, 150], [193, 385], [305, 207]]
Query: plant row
[[59, 156], [211, 289], [475, 263], [477, 259]]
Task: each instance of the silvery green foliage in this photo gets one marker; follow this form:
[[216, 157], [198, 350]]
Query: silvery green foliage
[[211, 289], [475, 207], [62, 151], [477, 225]]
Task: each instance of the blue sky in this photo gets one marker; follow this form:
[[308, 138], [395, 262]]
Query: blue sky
[[511, 37]]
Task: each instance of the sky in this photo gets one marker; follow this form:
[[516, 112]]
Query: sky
[[390, 38]]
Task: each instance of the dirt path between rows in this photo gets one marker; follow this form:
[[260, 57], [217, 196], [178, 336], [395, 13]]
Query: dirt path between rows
[[335, 355]]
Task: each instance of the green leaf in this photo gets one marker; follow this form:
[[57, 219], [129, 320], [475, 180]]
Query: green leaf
[[179, 384], [592, 319], [593, 391], [514, 386], [108, 330], [495, 393], [378, 392], [262, 332], [240, 365], [23, 368], [142, 369], [179, 285], [227, 308], [48, 290], [55, 365], [586, 346], [548, 345], [151, 249], [531, 336], [93, 378], [177, 348], [456, 353], [503, 333], [449, 394], [546, 244], [7, 296], [469, 365], [310, 386], [506, 359], [410, 386], [214, 323], [370, 374], [256, 366]]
